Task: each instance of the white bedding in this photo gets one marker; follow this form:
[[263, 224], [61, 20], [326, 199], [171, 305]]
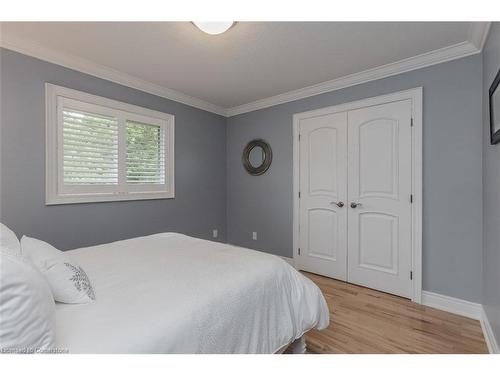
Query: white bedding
[[170, 293]]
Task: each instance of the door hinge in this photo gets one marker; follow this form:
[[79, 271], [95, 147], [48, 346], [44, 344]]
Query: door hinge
[[299, 250], [411, 275], [411, 122], [299, 194], [299, 137], [411, 198]]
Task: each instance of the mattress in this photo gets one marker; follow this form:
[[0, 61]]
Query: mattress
[[171, 293]]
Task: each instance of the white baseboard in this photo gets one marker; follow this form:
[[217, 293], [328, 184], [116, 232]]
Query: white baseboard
[[290, 261], [452, 305], [489, 337], [463, 308]]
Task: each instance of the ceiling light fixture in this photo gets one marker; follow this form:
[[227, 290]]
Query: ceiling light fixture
[[214, 28]]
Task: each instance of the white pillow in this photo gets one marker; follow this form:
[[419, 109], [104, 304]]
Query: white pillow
[[27, 308], [67, 280], [8, 241]]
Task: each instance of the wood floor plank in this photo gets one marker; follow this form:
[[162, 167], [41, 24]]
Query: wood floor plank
[[363, 320]]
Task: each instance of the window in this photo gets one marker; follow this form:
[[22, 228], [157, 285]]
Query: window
[[103, 150]]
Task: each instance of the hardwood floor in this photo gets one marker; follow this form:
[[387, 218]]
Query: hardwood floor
[[363, 320]]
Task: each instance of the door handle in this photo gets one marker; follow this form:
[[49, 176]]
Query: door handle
[[339, 204], [354, 204]]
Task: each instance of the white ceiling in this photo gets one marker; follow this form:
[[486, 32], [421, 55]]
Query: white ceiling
[[252, 61]]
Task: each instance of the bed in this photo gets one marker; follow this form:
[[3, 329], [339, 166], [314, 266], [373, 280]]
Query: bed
[[171, 293]]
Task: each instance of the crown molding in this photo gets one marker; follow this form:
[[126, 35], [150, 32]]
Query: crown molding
[[438, 56], [478, 33], [101, 71], [477, 36]]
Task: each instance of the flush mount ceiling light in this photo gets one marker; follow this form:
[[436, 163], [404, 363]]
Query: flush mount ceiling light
[[214, 28]]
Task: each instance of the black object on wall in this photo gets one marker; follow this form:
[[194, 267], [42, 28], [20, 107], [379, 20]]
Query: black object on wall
[[259, 164], [495, 110]]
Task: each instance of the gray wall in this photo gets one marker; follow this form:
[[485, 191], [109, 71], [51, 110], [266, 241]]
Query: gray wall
[[491, 191], [452, 171], [200, 153], [452, 222]]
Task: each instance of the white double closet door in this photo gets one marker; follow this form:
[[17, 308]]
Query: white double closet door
[[354, 205]]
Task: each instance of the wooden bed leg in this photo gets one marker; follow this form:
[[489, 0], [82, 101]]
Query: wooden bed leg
[[299, 346]]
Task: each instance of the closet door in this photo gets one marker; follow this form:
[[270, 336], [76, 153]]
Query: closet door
[[323, 194], [379, 219]]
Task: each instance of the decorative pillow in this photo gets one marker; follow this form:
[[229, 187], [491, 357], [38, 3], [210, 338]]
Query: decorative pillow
[[27, 308], [67, 280], [8, 241]]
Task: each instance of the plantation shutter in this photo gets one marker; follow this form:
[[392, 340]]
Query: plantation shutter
[[102, 150], [145, 154], [90, 148]]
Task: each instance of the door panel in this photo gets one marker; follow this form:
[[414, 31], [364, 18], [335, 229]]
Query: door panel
[[378, 158], [322, 158], [323, 183], [321, 237], [379, 234]]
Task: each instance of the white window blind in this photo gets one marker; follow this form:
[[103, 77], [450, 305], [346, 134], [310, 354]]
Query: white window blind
[[90, 148], [145, 154], [103, 150]]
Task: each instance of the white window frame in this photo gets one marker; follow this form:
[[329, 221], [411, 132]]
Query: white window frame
[[57, 193]]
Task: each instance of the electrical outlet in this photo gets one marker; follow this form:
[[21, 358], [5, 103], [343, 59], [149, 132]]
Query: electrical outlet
[[254, 235], [215, 233]]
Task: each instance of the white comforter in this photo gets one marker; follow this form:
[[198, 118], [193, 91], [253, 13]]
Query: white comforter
[[170, 293]]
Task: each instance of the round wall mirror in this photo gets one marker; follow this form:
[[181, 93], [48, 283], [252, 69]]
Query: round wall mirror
[[257, 157]]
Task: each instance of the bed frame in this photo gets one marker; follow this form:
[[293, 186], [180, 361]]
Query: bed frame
[[299, 346], [296, 347]]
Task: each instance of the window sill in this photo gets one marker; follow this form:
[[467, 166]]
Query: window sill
[[95, 198]]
